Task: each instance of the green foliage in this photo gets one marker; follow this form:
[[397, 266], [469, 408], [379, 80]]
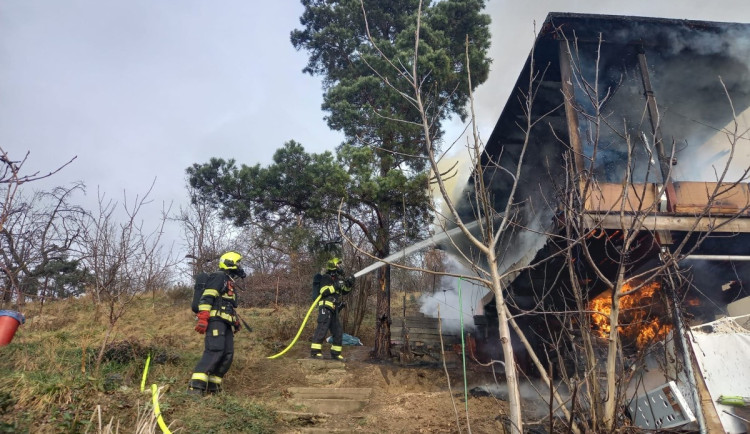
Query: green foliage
[[6, 401], [297, 183], [64, 277], [364, 51], [335, 34]]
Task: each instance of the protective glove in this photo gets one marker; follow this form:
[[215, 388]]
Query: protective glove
[[342, 306], [202, 322], [349, 281], [237, 326]]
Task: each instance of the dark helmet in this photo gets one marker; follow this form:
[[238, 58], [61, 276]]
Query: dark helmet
[[230, 262]]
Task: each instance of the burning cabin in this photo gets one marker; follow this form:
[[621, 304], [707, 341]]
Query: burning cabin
[[634, 157]]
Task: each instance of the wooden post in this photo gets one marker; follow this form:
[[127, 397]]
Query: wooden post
[[665, 162], [571, 115]]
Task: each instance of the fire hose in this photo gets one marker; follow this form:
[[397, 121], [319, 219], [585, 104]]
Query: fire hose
[[299, 332]]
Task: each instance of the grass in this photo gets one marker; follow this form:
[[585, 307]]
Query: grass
[[46, 382]]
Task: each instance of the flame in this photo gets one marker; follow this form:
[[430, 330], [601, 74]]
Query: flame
[[637, 320]]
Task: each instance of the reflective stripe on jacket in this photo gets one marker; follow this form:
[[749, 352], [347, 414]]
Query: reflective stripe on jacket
[[219, 298], [333, 288]]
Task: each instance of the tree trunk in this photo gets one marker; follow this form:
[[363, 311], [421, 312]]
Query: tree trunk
[[382, 348], [610, 405], [99, 357], [511, 377]]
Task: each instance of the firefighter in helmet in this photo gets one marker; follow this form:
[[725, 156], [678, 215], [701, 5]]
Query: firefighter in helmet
[[332, 286], [218, 321]]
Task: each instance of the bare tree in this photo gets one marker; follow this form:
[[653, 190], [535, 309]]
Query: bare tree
[[205, 234], [12, 178], [125, 259], [36, 241]]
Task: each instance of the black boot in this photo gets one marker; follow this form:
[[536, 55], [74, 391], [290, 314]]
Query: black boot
[[338, 356]]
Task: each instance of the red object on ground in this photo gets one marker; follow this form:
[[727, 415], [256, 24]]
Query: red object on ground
[[9, 322]]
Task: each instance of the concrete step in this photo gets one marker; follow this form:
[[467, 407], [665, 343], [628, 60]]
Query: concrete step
[[333, 400]]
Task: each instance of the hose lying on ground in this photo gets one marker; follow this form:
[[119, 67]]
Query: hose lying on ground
[[157, 411], [299, 332]]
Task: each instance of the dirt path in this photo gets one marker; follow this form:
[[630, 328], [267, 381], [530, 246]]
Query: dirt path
[[414, 399]]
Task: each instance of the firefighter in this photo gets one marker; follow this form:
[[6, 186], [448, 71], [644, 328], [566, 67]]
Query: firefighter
[[218, 321], [332, 286]]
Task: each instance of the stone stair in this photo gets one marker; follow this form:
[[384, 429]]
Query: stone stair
[[335, 400], [326, 393]]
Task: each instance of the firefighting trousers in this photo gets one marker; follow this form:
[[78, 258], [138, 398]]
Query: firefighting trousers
[[217, 356], [328, 319]]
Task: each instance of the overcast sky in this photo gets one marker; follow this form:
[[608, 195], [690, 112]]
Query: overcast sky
[[142, 89]]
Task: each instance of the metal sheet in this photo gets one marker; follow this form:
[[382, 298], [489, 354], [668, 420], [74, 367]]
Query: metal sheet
[[661, 408], [722, 350]]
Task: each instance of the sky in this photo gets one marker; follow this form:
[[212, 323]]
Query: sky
[[138, 90]]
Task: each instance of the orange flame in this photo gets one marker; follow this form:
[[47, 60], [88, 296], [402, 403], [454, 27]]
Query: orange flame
[[637, 320]]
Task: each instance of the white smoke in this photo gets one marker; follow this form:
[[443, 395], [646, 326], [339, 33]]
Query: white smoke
[[536, 395], [446, 298]]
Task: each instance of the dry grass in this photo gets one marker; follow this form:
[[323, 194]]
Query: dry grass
[[46, 382]]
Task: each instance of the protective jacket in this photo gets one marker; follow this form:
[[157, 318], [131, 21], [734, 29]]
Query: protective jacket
[[332, 289], [219, 298]]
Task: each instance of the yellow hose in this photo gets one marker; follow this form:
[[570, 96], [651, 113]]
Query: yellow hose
[[299, 332], [157, 412], [145, 373]]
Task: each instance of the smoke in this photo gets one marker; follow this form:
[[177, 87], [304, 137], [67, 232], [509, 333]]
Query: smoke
[[445, 299], [687, 65], [697, 113], [456, 170], [534, 393]]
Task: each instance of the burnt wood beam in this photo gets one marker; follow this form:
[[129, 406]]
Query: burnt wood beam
[[566, 79], [653, 115], [669, 223]]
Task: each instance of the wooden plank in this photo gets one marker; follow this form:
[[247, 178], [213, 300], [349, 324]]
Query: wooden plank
[[710, 416], [420, 322], [668, 223], [606, 197], [422, 337], [423, 330], [692, 197]]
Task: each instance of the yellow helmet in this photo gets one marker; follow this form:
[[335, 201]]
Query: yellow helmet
[[230, 261], [333, 264]]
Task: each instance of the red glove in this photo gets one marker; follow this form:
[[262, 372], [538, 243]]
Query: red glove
[[202, 322]]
